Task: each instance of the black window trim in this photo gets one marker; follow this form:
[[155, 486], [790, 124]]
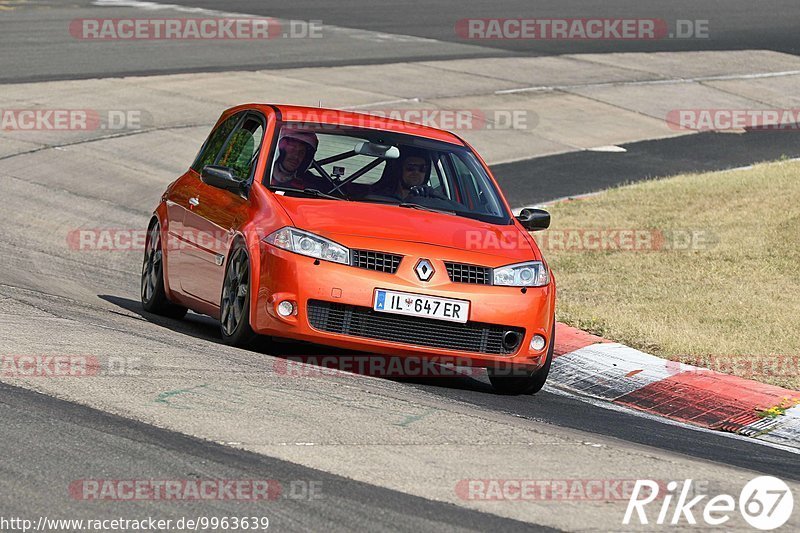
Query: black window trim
[[267, 175], [247, 113]]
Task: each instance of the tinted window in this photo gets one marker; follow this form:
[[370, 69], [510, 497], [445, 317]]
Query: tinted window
[[242, 150], [212, 146]]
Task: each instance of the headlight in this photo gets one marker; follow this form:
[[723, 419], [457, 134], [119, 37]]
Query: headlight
[[530, 274], [305, 243]]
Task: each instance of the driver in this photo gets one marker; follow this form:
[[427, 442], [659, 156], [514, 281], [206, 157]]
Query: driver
[[415, 172], [296, 151]]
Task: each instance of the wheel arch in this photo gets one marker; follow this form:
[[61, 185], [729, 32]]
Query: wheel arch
[[160, 216], [251, 241]]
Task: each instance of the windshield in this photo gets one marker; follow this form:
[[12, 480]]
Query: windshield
[[381, 167]]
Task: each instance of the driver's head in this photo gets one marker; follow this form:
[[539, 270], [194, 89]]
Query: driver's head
[[415, 168], [297, 149]]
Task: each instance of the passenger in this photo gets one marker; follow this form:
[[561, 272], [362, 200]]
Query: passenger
[[296, 151]]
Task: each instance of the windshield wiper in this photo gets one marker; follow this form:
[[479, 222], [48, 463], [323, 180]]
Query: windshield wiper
[[425, 208], [310, 192]]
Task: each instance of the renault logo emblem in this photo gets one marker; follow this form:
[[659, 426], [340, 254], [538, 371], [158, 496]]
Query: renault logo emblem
[[424, 269]]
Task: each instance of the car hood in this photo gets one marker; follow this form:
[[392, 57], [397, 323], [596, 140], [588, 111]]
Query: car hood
[[333, 218]]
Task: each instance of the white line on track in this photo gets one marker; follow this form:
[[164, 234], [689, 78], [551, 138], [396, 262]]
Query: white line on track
[[609, 148], [667, 81], [385, 102]]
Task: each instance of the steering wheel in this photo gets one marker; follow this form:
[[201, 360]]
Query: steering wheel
[[425, 191]]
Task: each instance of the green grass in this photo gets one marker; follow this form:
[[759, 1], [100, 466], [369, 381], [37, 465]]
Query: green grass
[[732, 303]]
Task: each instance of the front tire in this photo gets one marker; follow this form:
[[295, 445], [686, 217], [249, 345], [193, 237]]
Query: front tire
[[234, 307], [528, 384], [153, 296]]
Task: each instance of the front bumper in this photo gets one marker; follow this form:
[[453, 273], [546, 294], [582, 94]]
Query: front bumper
[[313, 284]]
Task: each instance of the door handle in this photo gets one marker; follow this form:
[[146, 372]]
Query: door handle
[[194, 202]]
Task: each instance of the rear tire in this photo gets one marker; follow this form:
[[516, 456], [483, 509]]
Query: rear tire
[[154, 297], [529, 384], [234, 306]]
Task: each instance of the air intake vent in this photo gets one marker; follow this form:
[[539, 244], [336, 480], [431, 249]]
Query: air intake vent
[[357, 321], [380, 261], [461, 273]]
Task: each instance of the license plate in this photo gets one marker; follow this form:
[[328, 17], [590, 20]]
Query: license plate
[[404, 303]]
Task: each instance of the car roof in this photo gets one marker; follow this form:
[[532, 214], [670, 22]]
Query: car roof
[[322, 115]]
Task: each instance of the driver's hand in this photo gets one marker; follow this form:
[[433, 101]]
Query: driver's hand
[[420, 190], [426, 192]]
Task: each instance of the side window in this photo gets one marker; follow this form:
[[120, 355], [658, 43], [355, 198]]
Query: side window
[[437, 180], [208, 154], [476, 189], [242, 150]]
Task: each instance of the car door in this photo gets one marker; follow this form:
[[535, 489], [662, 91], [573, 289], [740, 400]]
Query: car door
[[213, 215], [181, 198]]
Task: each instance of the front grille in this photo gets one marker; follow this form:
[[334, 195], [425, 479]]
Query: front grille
[[380, 261], [461, 273], [364, 322]]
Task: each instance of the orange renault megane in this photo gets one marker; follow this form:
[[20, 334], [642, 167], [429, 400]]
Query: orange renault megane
[[358, 232]]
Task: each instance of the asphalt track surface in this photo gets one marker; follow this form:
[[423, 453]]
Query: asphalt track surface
[[48, 442], [733, 25], [361, 32], [577, 173], [547, 407], [76, 438]]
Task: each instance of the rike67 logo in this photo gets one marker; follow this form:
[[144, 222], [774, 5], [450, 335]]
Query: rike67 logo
[[765, 503]]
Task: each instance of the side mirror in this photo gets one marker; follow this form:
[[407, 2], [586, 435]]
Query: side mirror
[[221, 178], [534, 219]]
